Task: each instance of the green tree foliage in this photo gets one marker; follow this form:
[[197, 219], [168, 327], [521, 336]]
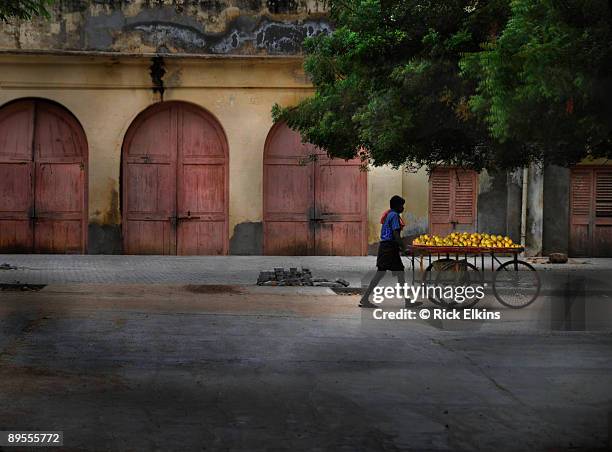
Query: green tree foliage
[[547, 79], [469, 83], [23, 9]]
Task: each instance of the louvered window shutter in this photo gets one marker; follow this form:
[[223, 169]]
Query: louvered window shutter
[[465, 197], [603, 194], [580, 212], [581, 193], [440, 187]]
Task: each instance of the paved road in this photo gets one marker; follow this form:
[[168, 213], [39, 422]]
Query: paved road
[[181, 368], [64, 269]]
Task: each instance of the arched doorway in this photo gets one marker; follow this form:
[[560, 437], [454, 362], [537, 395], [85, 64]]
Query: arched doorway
[[175, 182], [43, 179], [313, 205]]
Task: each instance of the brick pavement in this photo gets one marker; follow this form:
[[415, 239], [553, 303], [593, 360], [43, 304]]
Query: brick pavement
[[239, 270]]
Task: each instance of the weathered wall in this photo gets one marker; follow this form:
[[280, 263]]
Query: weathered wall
[[514, 200], [555, 234], [415, 189], [383, 182], [492, 202], [175, 26], [535, 202], [499, 203], [107, 93]]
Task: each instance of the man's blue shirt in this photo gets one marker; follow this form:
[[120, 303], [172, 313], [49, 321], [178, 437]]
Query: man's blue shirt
[[392, 223]]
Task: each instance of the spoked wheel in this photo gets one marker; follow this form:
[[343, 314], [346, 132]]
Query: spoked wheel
[[516, 284], [450, 274], [429, 276]]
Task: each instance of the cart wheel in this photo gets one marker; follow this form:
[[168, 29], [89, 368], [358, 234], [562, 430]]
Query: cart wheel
[[516, 284], [430, 273], [456, 273]]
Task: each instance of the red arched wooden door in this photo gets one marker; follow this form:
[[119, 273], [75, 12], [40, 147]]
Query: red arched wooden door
[[312, 206], [43, 179], [175, 184]]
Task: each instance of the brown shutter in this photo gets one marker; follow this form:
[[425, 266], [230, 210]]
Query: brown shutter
[[440, 189], [603, 194], [580, 212], [465, 199], [452, 200], [602, 221], [581, 192]]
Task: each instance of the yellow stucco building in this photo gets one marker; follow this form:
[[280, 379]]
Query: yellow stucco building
[[97, 61]]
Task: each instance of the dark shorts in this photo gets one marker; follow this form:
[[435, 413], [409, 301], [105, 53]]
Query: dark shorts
[[389, 258]]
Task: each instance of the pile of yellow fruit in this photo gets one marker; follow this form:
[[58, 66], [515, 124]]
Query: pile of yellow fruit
[[472, 239]]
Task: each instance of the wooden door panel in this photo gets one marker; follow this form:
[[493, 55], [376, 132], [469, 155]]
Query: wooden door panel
[[60, 161], [203, 189], [339, 238], [16, 236], [340, 201], [288, 238], [15, 189], [58, 236], [150, 191], [16, 195], [289, 193], [581, 194], [150, 237], [59, 190], [56, 135], [175, 178], [46, 153], [580, 240], [199, 135], [149, 184], [338, 190], [311, 205], [200, 237], [288, 202], [285, 143], [155, 139], [288, 199], [602, 240], [16, 131], [201, 210], [202, 184]]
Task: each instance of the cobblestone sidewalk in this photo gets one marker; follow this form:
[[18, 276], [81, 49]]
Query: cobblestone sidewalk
[[239, 270]]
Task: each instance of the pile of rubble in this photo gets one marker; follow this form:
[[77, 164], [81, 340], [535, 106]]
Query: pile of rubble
[[295, 277]]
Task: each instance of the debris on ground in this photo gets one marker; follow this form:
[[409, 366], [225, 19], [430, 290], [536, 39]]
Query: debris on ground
[[557, 258], [295, 277], [6, 266], [17, 286]]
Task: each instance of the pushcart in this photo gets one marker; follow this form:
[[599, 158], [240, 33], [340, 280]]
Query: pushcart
[[515, 283]]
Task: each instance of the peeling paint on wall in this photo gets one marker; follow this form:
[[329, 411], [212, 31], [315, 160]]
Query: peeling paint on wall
[[207, 27]]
